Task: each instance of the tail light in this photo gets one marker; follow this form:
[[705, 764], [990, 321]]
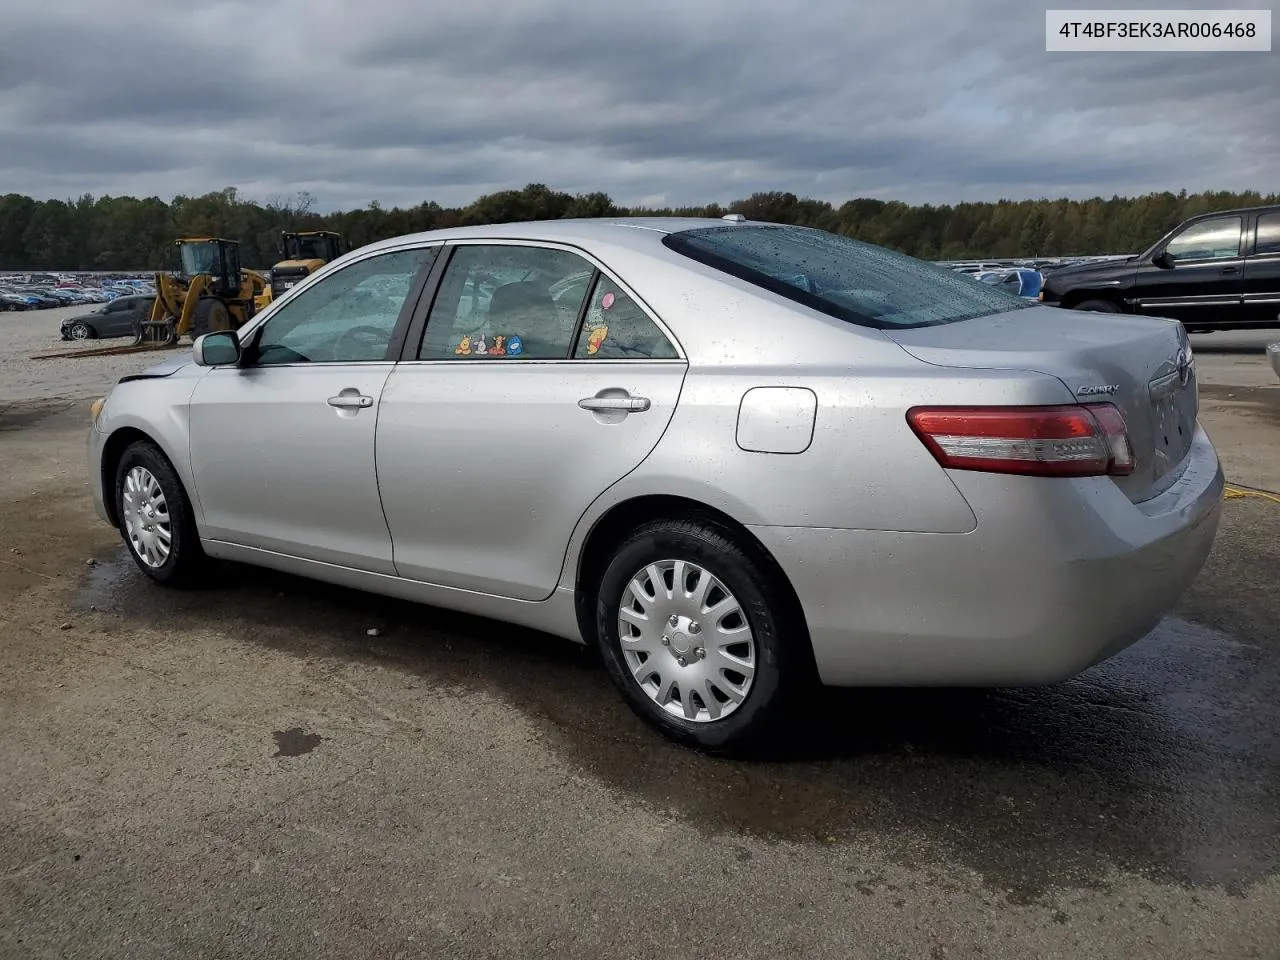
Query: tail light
[[1067, 441]]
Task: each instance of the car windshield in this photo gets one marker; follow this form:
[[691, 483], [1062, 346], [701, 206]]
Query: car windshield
[[844, 278]]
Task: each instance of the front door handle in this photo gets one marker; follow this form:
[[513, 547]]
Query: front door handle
[[626, 404], [350, 400], [1228, 269]]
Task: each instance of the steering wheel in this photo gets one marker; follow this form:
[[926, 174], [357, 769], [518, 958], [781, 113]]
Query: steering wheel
[[372, 339]]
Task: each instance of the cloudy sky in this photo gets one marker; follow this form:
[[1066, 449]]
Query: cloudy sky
[[653, 101]]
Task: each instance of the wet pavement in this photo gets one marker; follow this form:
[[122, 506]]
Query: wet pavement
[[1164, 761], [470, 787]]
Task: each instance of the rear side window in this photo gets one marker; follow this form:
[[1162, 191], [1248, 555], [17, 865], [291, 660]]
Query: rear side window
[[1268, 233], [615, 328], [843, 278]]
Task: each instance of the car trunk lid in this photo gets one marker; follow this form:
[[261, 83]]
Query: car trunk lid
[[1141, 364]]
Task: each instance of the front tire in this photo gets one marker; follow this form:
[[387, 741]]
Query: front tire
[[697, 634], [155, 517], [211, 314], [80, 331], [1097, 306]]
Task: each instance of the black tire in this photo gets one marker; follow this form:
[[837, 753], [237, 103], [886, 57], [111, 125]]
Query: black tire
[[1098, 306], [88, 332], [211, 314], [783, 671], [186, 558]]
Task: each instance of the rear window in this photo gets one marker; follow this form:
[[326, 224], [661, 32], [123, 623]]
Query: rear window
[[843, 278]]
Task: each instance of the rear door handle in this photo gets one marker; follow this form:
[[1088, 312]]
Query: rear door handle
[[1228, 269], [348, 401], [628, 404]]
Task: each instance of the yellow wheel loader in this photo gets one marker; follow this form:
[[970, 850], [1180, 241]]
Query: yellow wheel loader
[[304, 253], [211, 292]]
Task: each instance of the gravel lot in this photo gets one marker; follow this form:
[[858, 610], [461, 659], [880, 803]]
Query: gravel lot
[[24, 335], [242, 771]]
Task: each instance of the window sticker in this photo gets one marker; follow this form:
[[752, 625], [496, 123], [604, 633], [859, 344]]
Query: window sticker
[[596, 335]]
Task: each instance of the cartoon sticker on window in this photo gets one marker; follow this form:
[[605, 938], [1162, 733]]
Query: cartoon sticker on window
[[607, 300], [515, 346], [498, 347], [480, 347], [464, 347], [595, 336]]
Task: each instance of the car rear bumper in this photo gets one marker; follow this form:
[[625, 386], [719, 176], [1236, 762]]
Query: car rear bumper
[[1058, 576]]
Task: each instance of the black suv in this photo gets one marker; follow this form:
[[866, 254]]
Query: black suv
[[1216, 271]]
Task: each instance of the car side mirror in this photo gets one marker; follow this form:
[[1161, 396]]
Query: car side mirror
[[1163, 259], [217, 349]]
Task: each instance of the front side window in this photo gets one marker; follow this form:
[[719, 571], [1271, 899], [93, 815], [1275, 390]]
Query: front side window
[[844, 278], [346, 317], [498, 301], [615, 328], [1217, 239]]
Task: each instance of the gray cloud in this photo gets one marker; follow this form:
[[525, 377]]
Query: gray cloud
[[657, 101]]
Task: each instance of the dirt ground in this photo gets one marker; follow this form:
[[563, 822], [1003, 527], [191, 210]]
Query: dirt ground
[[243, 771]]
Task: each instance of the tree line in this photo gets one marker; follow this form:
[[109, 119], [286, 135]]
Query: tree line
[[126, 233]]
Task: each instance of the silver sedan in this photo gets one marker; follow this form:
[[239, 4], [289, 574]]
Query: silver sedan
[[738, 458]]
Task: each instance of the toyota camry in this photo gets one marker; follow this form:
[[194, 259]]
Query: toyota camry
[[738, 458]]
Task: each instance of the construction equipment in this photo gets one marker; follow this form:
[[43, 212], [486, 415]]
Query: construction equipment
[[305, 252], [211, 292]]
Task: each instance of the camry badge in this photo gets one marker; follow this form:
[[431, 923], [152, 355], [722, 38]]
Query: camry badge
[[1094, 389]]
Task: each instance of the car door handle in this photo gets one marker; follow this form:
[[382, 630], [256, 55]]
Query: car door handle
[[350, 400], [1228, 269], [628, 404]]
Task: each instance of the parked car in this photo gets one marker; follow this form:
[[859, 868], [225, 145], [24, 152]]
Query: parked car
[[1217, 271], [1020, 281], [62, 297], [10, 302], [742, 458], [119, 318], [44, 300]]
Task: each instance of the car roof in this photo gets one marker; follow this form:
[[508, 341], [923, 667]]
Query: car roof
[[1265, 208], [635, 232]]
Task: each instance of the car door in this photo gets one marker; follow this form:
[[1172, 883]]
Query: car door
[[540, 381], [282, 445], [119, 317], [1202, 283], [1262, 273]]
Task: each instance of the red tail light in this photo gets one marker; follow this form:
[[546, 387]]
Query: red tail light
[[1068, 441]]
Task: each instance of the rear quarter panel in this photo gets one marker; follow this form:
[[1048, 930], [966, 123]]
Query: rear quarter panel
[[864, 469]]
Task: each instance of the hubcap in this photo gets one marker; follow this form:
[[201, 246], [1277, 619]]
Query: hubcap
[[146, 517], [686, 641], [79, 332]]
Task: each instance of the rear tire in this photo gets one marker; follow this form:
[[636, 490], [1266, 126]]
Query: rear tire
[[725, 683], [155, 517], [1097, 306]]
